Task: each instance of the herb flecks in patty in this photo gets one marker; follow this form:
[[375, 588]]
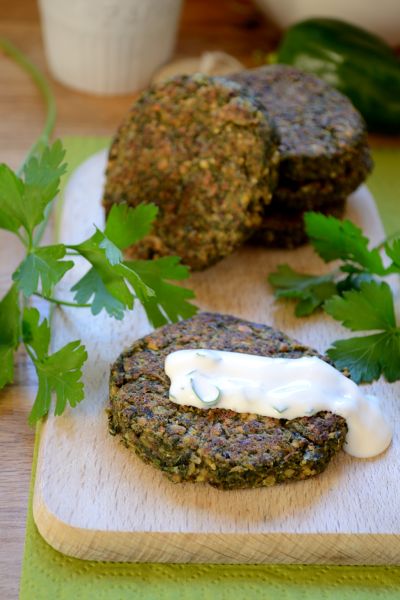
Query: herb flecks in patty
[[204, 152], [221, 447]]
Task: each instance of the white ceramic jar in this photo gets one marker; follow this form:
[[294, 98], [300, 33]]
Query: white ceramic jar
[[108, 46]]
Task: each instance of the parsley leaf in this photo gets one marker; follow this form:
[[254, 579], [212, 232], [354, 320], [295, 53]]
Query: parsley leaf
[[113, 284], [42, 179], [393, 252], [369, 357], [170, 301], [113, 253], [371, 307], [36, 335], [350, 294], [42, 263], [11, 190], [9, 334], [91, 286], [126, 226], [22, 203], [60, 372], [335, 239], [310, 290], [353, 281], [115, 277]]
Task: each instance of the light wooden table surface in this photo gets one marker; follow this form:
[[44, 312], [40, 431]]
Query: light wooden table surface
[[230, 25]]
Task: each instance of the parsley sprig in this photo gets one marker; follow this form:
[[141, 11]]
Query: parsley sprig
[[110, 284], [354, 293]]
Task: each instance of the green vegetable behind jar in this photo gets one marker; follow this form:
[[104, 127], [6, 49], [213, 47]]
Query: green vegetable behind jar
[[357, 63]]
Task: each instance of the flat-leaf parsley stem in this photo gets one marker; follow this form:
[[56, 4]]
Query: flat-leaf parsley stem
[[61, 302], [44, 88]]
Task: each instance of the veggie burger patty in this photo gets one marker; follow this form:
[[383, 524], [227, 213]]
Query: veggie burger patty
[[221, 447], [202, 150], [323, 140]]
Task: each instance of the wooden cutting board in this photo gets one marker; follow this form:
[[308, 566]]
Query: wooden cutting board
[[95, 500]]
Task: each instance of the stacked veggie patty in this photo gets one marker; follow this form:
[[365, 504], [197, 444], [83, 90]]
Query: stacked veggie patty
[[324, 153], [203, 150], [221, 447], [206, 151]]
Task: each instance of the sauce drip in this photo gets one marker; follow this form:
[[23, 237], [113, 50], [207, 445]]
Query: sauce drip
[[283, 388]]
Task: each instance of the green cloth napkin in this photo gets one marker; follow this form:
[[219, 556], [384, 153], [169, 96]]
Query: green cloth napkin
[[47, 574], [384, 183]]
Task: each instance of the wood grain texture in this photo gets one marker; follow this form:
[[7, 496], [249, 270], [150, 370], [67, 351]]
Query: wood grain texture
[[95, 500]]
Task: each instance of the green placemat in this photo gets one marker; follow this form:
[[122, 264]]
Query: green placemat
[[384, 184], [47, 574]]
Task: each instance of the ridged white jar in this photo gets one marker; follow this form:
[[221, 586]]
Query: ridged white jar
[[108, 46]]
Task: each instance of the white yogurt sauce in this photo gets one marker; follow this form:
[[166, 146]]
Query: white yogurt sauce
[[284, 388]]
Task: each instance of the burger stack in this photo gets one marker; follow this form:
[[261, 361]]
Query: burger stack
[[233, 160], [324, 153]]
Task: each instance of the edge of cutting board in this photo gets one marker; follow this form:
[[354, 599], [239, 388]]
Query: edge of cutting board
[[336, 518]]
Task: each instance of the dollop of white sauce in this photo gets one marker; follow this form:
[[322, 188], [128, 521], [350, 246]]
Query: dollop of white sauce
[[283, 388]]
